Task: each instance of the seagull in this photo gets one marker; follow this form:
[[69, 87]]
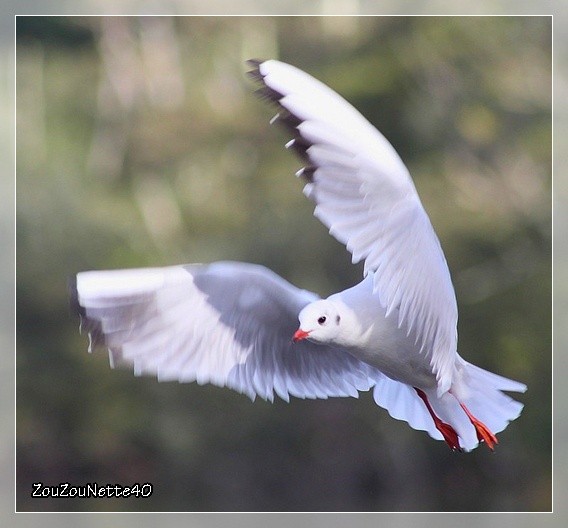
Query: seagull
[[242, 326]]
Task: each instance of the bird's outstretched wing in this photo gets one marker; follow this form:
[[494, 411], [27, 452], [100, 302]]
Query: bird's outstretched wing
[[226, 323], [364, 194]]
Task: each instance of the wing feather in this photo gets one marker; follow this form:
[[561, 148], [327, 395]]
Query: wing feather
[[229, 324], [365, 196]]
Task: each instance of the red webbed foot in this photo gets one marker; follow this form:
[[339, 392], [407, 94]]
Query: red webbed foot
[[448, 432], [482, 431]]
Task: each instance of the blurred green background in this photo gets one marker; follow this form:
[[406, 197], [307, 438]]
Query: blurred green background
[[140, 143]]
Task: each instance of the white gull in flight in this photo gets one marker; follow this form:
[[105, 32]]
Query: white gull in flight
[[236, 325]]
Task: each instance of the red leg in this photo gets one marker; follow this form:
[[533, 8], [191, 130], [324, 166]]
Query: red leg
[[448, 432], [482, 431]]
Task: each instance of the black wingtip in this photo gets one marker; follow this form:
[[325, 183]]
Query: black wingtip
[[254, 63], [307, 173], [289, 120], [86, 324], [268, 94], [300, 146], [264, 92], [74, 305], [284, 117], [254, 73]]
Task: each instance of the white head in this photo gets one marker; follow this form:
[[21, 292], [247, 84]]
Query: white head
[[320, 322]]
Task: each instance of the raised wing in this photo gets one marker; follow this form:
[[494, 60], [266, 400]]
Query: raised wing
[[226, 323], [364, 194]]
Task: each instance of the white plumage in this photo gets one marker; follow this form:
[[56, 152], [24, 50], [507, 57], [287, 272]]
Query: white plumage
[[231, 324]]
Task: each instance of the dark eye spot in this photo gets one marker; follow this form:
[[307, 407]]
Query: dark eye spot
[[322, 319], [337, 319]]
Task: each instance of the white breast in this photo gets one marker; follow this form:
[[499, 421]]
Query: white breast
[[375, 338]]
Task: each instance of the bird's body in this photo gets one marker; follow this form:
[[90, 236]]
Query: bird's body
[[376, 339], [231, 324]]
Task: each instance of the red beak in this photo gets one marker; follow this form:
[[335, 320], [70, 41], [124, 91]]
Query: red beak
[[299, 335]]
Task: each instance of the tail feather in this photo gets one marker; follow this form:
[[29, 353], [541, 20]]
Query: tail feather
[[402, 403], [481, 377], [478, 389], [485, 399]]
